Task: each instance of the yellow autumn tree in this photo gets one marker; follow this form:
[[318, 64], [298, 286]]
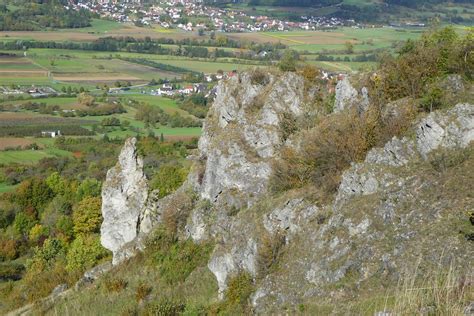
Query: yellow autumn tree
[[87, 216]]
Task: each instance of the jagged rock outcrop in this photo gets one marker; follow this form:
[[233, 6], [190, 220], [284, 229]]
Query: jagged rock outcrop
[[452, 129], [124, 195], [347, 96], [242, 134], [349, 237], [391, 209], [371, 230]]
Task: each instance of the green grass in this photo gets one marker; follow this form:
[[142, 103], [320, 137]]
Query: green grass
[[167, 105], [64, 103], [30, 156], [380, 38], [4, 187]]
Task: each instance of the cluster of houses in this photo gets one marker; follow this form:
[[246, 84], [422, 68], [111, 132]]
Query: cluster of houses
[[33, 91], [169, 90], [174, 14]]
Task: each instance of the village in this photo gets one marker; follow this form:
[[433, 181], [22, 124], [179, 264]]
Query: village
[[193, 15]]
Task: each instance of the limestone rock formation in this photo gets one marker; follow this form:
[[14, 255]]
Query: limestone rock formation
[[371, 230], [390, 209], [452, 129], [347, 96], [124, 195], [242, 134]]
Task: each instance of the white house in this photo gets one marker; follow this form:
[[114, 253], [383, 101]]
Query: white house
[[52, 134]]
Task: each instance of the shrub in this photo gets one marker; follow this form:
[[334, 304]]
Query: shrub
[[40, 284], [84, 253], [271, 248], [142, 292], [176, 259], [310, 74], [258, 77], [239, 289], [165, 306], [168, 179], [288, 61], [115, 285], [11, 271], [444, 159], [288, 125], [176, 212], [432, 100], [329, 148], [420, 63]]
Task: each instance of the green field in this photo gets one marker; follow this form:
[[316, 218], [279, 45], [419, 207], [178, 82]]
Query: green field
[[334, 40], [30, 156], [78, 67]]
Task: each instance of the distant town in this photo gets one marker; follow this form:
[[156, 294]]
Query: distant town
[[193, 15]]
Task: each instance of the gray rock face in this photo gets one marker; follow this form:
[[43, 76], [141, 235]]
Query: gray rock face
[[226, 263], [242, 133], [93, 274], [59, 289], [451, 129], [289, 218], [345, 95], [124, 195], [348, 97]]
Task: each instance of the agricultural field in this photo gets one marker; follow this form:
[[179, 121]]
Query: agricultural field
[[99, 28], [20, 150], [334, 40], [12, 142]]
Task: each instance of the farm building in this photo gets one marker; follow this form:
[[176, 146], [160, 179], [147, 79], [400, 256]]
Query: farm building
[[52, 134]]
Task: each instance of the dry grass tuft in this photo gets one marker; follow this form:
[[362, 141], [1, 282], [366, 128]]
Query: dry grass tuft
[[442, 292]]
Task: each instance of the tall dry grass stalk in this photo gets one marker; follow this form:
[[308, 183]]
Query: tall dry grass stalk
[[438, 292]]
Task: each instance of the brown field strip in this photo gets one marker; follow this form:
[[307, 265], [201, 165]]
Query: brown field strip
[[9, 142], [23, 73], [14, 61]]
